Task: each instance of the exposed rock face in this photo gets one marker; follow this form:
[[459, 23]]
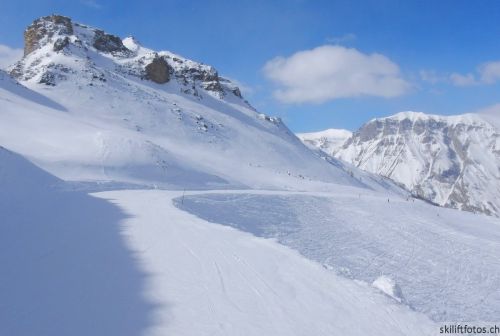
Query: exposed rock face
[[207, 76], [108, 43], [236, 91], [45, 28], [451, 161], [60, 44], [82, 44], [158, 70]]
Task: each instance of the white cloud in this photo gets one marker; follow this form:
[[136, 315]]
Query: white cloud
[[489, 72], [463, 80], [455, 78], [330, 72], [9, 56]]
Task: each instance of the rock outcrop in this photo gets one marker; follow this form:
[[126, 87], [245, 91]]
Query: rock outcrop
[[108, 43], [84, 45], [158, 70], [46, 28]]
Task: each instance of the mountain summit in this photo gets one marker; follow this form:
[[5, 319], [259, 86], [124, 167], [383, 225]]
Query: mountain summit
[[117, 112], [51, 39]]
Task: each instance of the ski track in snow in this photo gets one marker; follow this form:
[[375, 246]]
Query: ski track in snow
[[445, 261], [214, 280], [68, 271]]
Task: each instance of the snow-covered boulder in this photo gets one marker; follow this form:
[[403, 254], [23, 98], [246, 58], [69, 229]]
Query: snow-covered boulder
[[389, 287]]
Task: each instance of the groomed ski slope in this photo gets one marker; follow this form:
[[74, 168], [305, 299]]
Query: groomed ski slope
[[210, 279], [444, 261]]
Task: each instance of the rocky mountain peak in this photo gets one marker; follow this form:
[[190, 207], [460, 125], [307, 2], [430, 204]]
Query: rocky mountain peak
[[57, 49], [44, 30], [59, 31]]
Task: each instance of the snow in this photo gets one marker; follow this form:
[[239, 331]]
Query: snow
[[209, 279], [65, 267], [389, 287], [328, 140], [131, 263], [430, 252], [414, 116], [449, 160], [236, 227], [491, 114], [129, 130]]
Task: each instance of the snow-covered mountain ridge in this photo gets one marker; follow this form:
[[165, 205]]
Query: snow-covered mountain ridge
[[56, 47], [114, 110], [327, 140], [450, 160]]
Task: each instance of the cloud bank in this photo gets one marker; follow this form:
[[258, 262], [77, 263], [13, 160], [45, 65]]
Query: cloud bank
[[330, 72]]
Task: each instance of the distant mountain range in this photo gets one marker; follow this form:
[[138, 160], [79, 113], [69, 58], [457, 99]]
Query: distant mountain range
[[453, 161]]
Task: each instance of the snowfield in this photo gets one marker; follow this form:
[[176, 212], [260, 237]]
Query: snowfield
[[444, 261], [65, 267], [213, 280], [234, 226], [131, 263]]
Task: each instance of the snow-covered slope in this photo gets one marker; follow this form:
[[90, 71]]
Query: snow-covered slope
[[91, 108], [442, 262], [212, 280], [327, 140], [450, 160], [73, 264], [116, 111], [65, 267]]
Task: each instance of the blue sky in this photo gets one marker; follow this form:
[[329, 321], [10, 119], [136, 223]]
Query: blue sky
[[439, 57]]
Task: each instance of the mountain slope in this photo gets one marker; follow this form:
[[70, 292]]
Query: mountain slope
[[128, 114], [209, 279], [107, 113], [75, 264], [327, 140], [452, 161], [65, 267], [427, 251]]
